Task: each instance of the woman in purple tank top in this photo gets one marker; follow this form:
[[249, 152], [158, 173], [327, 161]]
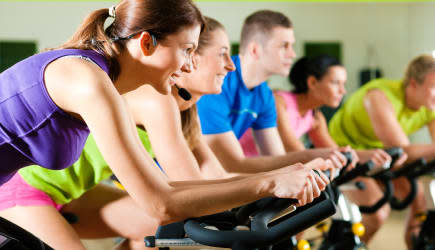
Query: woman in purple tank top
[[50, 102]]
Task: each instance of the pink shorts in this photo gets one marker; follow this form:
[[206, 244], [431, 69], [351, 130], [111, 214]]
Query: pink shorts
[[16, 192]]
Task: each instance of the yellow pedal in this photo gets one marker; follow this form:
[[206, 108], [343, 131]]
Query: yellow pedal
[[322, 227], [421, 216], [303, 245], [358, 229], [118, 185]]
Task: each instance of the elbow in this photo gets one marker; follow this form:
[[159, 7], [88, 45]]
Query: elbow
[[166, 211]]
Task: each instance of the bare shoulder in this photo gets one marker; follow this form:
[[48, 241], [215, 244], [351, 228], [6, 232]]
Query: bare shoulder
[[73, 83], [279, 100], [376, 101], [146, 98], [376, 97], [75, 74]]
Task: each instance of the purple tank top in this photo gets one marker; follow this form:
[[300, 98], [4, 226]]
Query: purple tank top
[[33, 130]]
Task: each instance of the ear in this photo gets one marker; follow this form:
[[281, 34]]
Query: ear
[[413, 83], [311, 81], [195, 60], [252, 49], [146, 43]]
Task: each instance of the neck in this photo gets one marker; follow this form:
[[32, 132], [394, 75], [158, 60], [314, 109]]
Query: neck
[[183, 104], [253, 74], [306, 102], [131, 73]]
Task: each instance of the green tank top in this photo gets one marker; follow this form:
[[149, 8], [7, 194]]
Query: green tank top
[[70, 183], [351, 124]]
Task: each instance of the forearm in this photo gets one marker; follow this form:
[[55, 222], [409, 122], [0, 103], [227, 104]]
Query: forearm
[[267, 163], [416, 151], [199, 198]]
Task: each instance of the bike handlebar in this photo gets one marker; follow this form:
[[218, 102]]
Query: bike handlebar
[[262, 232]]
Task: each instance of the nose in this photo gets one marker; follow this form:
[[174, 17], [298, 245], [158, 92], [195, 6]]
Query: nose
[[291, 52], [229, 66], [343, 89], [187, 66]]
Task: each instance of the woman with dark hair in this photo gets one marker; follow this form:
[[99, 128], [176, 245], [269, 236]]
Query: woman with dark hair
[[79, 86], [317, 81]]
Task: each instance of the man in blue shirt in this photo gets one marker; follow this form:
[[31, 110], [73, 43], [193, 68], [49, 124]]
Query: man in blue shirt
[[266, 49]]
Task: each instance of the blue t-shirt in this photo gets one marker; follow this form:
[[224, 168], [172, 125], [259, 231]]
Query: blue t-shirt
[[237, 108]]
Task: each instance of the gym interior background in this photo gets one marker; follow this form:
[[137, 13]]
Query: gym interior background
[[372, 35]]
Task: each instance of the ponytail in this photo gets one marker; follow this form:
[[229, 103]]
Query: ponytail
[[91, 36], [190, 125], [159, 17]]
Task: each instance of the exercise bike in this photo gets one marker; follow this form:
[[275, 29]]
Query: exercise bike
[[259, 225], [425, 240], [346, 227]]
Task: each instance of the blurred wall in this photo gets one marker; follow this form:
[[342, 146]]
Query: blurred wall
[[387, 35]]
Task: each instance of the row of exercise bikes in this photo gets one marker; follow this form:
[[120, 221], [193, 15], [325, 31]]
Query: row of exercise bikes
[[272, 223]]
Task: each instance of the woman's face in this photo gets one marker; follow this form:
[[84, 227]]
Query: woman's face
[[210, 67], [172, 57], [329, 90]]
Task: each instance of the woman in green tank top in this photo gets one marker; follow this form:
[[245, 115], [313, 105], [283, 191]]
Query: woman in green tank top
[[382, 114]]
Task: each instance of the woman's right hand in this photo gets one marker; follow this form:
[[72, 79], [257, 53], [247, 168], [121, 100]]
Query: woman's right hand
[[378, 156], [299, 181]]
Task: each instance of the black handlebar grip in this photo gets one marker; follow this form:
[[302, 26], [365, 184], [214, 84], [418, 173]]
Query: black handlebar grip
[[409, 168], [400, 205], [395, 153], [349, 158], [360, 170], [388, 194], [284, 228]]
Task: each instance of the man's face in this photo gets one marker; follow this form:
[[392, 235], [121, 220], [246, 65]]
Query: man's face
[[277, 54]]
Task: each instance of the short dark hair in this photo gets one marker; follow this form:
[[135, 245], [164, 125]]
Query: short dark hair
[[262, 22]]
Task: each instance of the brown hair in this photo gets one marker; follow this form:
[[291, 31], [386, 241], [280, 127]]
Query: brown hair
[[262, 23], [206, 36], [189, 117], [190, 125], [159, 17], [419, 67]]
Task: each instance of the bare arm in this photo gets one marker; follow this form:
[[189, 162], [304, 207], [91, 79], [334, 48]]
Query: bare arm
[[269, 141], [160, 115], [209, 164], [388, 129], [290, 141], [319, 134], [81, 88], [229, 152]]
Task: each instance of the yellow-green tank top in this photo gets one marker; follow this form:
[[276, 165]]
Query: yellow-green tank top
[[70, 183], [351, 124]]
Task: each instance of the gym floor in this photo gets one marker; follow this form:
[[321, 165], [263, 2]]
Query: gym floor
[[390, 237]]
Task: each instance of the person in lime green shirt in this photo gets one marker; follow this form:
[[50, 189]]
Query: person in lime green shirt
[[382, 114]]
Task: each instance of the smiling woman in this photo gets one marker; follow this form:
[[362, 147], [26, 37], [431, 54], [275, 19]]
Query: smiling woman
[[48, 111]]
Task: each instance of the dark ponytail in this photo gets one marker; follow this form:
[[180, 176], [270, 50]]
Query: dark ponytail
[[316, 66], [159, 17]]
